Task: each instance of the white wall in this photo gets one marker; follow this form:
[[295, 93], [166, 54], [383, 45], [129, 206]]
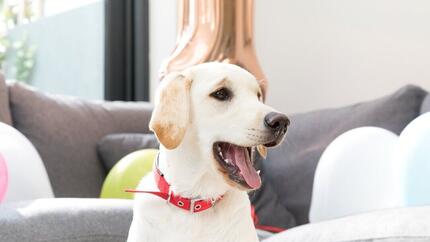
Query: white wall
[[328, 53], [162, 36]]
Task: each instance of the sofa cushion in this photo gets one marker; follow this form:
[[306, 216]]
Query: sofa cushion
[[112, 147], [270, 213], [402, 224], [426, 105], [66, 130], [291, 166], [68, 220], [5, 116]]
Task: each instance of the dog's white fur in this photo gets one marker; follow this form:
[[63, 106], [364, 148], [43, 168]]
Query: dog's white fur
[[187, 121]]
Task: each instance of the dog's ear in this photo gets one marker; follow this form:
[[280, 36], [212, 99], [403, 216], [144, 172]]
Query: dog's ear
[[170, 117], [262, 150]]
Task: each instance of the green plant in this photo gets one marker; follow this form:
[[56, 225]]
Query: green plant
[[4, 47], [18, 55], [24, 60]]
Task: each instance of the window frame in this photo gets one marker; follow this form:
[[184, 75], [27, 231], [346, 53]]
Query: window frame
[[127, 50]]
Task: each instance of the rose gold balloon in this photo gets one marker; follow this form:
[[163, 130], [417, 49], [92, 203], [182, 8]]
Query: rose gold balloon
[[215, 30]]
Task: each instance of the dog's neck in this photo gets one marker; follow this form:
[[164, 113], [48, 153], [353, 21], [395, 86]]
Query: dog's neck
[[188, 174]]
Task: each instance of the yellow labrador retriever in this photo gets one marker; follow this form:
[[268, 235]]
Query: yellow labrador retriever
[[209, 119]]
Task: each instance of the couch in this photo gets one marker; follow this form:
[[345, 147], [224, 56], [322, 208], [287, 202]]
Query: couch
[[66, 132]]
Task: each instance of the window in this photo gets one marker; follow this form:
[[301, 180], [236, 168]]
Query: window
[[93, 49]]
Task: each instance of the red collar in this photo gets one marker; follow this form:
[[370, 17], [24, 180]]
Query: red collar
[[189, 204]]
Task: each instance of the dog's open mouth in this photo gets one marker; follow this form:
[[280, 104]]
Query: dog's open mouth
[[237, 163]]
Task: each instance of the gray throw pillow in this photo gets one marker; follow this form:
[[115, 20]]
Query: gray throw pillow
[[426, 105], [66, 130], [113, 147], [4, 102], [291, 166]]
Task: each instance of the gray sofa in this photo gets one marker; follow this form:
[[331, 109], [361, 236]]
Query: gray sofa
[[66, 131]]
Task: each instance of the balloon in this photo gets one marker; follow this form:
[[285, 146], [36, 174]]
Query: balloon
[[229, 38], [356, 173], [414, 154], [127, 173], [3, 177], [26, 175]]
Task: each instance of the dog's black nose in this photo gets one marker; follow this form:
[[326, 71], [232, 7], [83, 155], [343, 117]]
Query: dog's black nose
[[276, 121]]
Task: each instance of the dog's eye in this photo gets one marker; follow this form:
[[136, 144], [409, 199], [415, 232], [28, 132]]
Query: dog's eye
[[222, 94]]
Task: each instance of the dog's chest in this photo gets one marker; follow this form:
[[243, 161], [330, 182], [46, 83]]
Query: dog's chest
[[157, 221]]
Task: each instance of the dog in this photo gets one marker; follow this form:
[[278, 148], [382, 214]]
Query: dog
[[209, 119]]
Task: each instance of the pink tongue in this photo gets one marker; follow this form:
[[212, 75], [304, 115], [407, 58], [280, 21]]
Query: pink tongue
[[243, 162]]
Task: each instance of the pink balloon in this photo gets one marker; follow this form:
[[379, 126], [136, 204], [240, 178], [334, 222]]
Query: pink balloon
[[3, 178]]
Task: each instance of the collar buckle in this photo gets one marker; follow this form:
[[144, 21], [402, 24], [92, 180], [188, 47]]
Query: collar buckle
[[169, 196]]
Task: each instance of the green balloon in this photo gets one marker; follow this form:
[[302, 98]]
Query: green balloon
[[127, 173]]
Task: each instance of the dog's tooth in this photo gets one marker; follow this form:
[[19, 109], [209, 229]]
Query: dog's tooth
[[258, 172], [228, 161], [220, 153]]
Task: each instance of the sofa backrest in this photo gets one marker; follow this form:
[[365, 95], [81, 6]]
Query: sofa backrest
[[291, 166], [65, 131], [5, 115], [425, 107]]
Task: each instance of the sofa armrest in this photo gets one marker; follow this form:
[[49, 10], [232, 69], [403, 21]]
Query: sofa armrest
[[68, 220], [399, 224]]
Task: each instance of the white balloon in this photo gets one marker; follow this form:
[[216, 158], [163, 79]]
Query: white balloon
[[356, 174], [27, 177], [414, 155]]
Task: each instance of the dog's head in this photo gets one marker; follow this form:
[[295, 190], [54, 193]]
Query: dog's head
[[219, 106]]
